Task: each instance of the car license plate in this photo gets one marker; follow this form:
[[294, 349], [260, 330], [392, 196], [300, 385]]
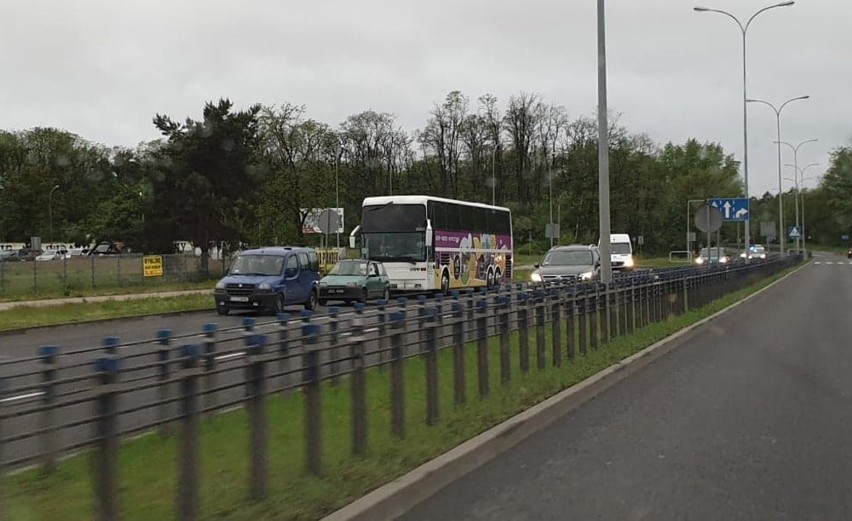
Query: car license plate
[[239, 299], [337, 291]]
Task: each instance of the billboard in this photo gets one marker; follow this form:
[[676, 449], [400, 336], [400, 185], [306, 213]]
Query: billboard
[[312, 220]]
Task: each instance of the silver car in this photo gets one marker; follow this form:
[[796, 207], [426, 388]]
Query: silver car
[[568, 263]]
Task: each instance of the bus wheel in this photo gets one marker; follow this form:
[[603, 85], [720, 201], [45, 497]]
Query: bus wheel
[[445, 283], [497, 277], [489, 280]]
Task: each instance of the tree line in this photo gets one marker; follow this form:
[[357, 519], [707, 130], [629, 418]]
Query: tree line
[[248, 175]]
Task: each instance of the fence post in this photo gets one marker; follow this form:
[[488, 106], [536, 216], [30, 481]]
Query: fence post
[[4, 510], [187, 497], [459, 393], [358, 390], [256, 398], [35, 276], [397, 388], [65, 275], [523, 331], [582, 328], [382, 332], [209, 331], [556, 328], [110, 345], [614, 311], [570, 330], [164, 337], [482, 346], [505, 340], [92, 257], [432, 409], [106, 452], [334, 339], [593, 317], [540, 305], [313, 413], [603, 303], [48, 355]]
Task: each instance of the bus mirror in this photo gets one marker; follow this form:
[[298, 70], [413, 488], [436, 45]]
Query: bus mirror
[[428, 232], [352, 242]]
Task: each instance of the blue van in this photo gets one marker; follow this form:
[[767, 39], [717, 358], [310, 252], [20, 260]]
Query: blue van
[[269, 279]]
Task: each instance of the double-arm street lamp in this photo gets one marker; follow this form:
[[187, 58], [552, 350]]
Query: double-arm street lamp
[[744, 31], [780, 190]]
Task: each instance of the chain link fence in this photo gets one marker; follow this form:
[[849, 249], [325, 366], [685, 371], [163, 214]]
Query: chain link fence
[[78, 274]]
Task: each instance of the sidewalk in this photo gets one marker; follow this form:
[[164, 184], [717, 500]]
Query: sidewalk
[[5, 306]]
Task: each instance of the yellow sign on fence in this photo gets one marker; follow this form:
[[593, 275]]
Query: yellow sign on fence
[[153, 266]]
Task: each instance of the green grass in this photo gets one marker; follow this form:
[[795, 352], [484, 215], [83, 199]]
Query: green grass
[[127, 289], [147, 468], [30, 316]]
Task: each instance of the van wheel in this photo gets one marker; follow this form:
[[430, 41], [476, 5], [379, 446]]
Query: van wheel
[[279, 304], [312, 302], [445, 284], [489, 280], [497, 276]]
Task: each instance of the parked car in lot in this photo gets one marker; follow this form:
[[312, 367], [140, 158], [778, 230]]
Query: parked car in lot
[[568, 263], [269, 279], [77, 252], [50, 255], [351, 280], [10, 256]]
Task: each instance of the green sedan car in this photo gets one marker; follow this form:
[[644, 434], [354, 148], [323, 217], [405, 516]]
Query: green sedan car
[[355, 280]]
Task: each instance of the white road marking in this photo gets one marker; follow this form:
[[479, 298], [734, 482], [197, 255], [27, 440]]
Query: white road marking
[[22, 397], [829, 262], [818, 262], [229, 356]]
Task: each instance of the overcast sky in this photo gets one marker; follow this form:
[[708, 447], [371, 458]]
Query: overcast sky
[[103, 68]]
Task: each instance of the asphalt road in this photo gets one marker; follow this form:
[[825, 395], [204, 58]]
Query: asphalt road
[[749, 419]]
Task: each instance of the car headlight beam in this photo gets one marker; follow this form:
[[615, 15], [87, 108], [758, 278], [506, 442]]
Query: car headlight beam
[[535, 277]]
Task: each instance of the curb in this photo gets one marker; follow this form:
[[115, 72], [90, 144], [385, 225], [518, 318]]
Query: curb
[[400, 495], [94, 299]]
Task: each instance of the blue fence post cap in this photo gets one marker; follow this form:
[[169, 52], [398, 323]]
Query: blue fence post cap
[[210, 329], [481, 305], [107, 364], [248, 323], [283, 318], [310, 333], [164, 335], [458, 310], [402, 301], [397, 319], [359, 308], [421, 299], [189, 352], [48, 352], [255, 343], [333, 311], [110, 342], [306, 315], [381, 304], [455, 294]]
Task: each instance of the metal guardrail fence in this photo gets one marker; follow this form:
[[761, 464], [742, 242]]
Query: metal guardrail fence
[[57, 402], [93, 272]]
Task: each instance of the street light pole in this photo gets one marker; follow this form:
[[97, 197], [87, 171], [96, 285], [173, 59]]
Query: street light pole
[[795, 150], [804, 236], [780, 189], [744, 31], [493, 178], [550, 190], [50, 210], [603, 151]]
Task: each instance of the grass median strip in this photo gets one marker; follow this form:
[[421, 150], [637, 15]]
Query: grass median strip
[[147, 467], [26, 317], [125, 289]]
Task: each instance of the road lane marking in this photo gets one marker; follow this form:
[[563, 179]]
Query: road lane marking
[[22, 397]]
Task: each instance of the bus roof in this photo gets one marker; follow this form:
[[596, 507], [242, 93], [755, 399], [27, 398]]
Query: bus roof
[[422, 199]]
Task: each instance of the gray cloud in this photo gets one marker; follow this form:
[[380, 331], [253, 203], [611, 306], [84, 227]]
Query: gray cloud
[[104, 68]]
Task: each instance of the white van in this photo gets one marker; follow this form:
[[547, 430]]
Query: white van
[[622, 251]]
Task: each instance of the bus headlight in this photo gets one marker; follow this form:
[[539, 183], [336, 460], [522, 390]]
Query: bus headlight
[[535, 277], [628, 263]]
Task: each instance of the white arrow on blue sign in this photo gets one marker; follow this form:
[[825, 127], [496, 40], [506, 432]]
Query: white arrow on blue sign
[[732, 209]]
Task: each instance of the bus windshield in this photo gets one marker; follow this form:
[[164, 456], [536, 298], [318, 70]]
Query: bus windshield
[[395, 232], [395, 246]]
